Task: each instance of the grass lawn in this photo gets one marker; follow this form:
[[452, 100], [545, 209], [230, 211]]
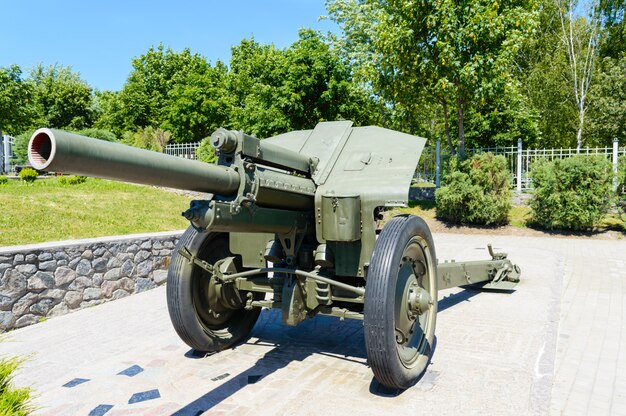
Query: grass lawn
[[49, 211]]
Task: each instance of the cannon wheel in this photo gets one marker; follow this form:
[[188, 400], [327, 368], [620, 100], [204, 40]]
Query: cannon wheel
[[207, 317], [401, 302]]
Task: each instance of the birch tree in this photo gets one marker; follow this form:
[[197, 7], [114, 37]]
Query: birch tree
[[580, 39]]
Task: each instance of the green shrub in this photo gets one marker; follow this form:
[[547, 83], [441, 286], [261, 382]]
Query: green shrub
[[28, 175], [72, 180], [149, 138], [478, 193], [3, 180], [13, 401], [98, 134], [571, 194], [621, 184], [206, 151]]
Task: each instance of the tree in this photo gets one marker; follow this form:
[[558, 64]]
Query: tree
[[613, 34], [607, 103], [17, 107], [62, 98], [580, 38], [458, 53]]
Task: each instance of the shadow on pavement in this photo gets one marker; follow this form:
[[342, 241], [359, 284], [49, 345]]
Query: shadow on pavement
[[322, 335]]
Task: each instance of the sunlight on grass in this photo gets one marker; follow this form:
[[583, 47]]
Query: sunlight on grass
[[49, 211]]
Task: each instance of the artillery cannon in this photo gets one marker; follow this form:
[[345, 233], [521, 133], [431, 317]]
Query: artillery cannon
[[310, 203]]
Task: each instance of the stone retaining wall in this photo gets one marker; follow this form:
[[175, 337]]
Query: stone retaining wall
[[43, 280]]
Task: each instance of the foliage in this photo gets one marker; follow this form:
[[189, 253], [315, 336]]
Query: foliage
[[13, 401], [478, 193], [72, 180], [28, 175], [572, 193], [17, 107], [608, 103], [206, 151], [98, 134], [96, 208], [457, 53], [3, 179], [149, 138], [63, 99]]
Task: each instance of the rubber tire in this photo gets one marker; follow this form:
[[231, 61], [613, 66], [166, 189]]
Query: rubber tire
[[185, 318], [379, 312]]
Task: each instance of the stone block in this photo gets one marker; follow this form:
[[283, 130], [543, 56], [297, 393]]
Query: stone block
[[113, 274], [40, 281], [30, 258], [146, 245], [42, 307], [21, 306], [26, 320], [99, 252], [73, 299], [83, 267], [127, 284], [59, 255], [64, 275], [26, 269], [60, 309], [4, 267], [6, 303], [110, 286], [159, 276], [143, 284], [119, 293], [87, 254], [74, 262], [127, 268], [45, 256], [80, 282], [113, 262], [56, 294], [6, 320], [92, 293], [18, 259], [91, 303], [13, 284], [99, 264], [144, 268], [50, 265], [141, 256], [97, 279], [133, 248]]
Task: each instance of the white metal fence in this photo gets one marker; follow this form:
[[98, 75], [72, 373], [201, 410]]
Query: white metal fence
[[7, 158], [435, 160], [185, 150]]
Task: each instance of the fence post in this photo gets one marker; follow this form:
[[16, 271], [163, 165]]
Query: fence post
[[6, 153], [615, 150], [519, 166], [438, 164]]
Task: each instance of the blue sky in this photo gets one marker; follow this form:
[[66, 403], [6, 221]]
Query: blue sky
[[99, 38]]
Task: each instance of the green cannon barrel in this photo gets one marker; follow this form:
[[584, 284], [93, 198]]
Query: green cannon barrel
[[59, 151]]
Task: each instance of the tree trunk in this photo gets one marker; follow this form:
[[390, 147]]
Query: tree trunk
[[461, 112], [446, 117], [579, 132]]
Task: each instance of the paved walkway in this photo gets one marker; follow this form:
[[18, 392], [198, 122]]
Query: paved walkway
[[552, 347]]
